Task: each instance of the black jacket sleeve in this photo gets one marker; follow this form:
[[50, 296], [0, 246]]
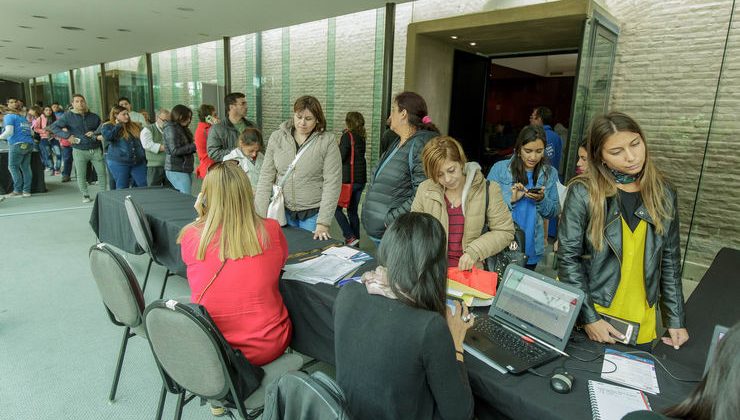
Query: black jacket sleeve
[[671, 288], [174, 144]]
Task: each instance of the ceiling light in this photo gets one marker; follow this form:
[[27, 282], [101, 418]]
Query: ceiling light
[[71, 49], [101, 37], [473, 44], [10, 58], [123, 30], [185, 9], [72, 28], [202, 34], [39, 17], [5, 40], [24, 27], [36, 48], [453, 36], [59, 53]]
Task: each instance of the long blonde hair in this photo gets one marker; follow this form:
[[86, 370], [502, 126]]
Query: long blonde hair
[[600, 182], [130, 129], [227, 203]]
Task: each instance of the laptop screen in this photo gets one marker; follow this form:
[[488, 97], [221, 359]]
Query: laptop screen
[[531, 301]]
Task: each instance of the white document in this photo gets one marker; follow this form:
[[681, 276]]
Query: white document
[[345, 252], [633, 371], [612, 402], [322, 269]]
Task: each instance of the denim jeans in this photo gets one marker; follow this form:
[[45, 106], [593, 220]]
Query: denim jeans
[[350, 224], [45, 150], [19, 166], [67, 160], [81, 158], [125, 174], [306, 224], [180, 181], [56, 151]]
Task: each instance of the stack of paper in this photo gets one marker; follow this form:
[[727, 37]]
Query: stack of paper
[[628, 369], [348, 253], [322, 269], [612, 402]]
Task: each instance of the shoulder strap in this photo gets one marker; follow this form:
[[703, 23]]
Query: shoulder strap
[[352, 158], [293, 163], [411, 159], [485, 211]]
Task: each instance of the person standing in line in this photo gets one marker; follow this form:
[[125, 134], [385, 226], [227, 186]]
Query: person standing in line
[[17, 131], [353, 137], [399, 171], [311, 191], [222, 137], [57, 110], [529, 187], [126, 158], [206, 118], [133, 115], [80, 126], [249, 154], [152, 139], [48, 140], [619, 237], [179, 146]]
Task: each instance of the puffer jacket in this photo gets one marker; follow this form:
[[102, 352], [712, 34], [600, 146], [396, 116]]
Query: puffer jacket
[[316, 180], [430, 199], [597, 273], [392, 188], [122, 150], [179, 146]]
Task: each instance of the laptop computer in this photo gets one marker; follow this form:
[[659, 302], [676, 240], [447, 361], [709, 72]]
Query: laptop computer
[[717, 335], [529, 322]]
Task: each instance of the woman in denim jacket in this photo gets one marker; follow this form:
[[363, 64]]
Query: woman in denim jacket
[[125, 158]]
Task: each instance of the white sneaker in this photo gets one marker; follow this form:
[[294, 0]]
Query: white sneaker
[[86, 199], [26, 195]]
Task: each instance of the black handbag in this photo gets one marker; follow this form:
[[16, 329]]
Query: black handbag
[[513, 254]]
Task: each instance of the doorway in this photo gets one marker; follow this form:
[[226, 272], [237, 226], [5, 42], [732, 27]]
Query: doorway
[[478, 70]]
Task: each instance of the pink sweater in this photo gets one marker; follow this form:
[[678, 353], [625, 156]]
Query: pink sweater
[[244, 300]]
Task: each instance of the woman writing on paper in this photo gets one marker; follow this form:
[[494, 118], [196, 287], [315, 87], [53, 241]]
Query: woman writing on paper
[[398, 348], [311, 190], [233, 260], [619, 236], [455, 194]]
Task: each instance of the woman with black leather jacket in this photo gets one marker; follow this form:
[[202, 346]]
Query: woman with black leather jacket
[[179, 146], [619, 237]]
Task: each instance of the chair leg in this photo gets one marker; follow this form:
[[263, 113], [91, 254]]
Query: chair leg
[[180, 404], [160, 406], [164, 283], [121, 354], [146, 277]]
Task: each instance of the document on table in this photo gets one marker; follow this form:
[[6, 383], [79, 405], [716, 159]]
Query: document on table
[[633, 371], [348, 253], [612, 402], [322, 269]]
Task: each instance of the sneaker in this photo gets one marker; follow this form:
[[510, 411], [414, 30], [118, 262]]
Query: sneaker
[[26, 195], [2, 198], [56, 173], [86, 199], [66, 179], [218, 411], [14, 194], [352, 241]]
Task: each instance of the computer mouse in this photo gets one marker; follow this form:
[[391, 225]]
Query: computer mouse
[[561, 382]]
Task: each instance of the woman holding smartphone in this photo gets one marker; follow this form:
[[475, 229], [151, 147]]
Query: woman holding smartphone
[[619, 237], [529, 187]]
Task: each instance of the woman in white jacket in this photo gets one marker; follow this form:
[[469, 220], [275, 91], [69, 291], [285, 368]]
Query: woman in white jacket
[[311, 190]]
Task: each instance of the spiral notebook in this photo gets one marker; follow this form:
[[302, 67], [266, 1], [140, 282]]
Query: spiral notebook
[[612, 402]]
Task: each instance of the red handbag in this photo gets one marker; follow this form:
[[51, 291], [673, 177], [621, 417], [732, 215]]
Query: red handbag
[[346, 194]]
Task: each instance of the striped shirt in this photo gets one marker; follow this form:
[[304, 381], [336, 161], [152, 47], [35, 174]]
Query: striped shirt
[[456, 227]]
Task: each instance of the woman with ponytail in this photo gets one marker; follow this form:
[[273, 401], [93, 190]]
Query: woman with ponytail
[[619, 238]]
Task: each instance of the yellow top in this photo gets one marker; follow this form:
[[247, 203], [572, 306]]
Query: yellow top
[[630, 300]]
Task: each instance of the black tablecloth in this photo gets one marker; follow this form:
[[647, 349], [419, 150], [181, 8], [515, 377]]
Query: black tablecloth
[[310, 308], [38, 183]]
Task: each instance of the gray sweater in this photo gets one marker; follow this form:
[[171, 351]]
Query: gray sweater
[[315, 181]]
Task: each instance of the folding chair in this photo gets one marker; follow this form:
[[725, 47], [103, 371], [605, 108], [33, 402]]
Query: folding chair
[[145, 239], [195, 359]]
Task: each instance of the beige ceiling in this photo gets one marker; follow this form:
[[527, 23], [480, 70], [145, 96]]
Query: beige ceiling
[[32, 42]]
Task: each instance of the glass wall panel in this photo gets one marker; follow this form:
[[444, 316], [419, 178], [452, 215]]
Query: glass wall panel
[[60, 82], [127, 78], [243, 74], [87, 83]]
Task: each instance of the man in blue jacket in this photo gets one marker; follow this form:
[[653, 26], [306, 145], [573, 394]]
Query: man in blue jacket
[[81, 125]]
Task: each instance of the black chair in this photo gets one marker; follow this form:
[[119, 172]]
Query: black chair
[[299, 396], [145, 239], [122, 297], [196, 360]]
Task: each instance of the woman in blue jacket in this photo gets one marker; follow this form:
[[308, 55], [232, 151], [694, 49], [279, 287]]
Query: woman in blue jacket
[[529, 187], [126, 158]]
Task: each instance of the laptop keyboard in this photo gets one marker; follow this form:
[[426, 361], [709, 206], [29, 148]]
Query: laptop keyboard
[[512, 342]]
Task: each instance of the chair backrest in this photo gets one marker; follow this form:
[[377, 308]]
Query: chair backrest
[[296, 395], [187, 349], [118, 287], [140, 226]]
